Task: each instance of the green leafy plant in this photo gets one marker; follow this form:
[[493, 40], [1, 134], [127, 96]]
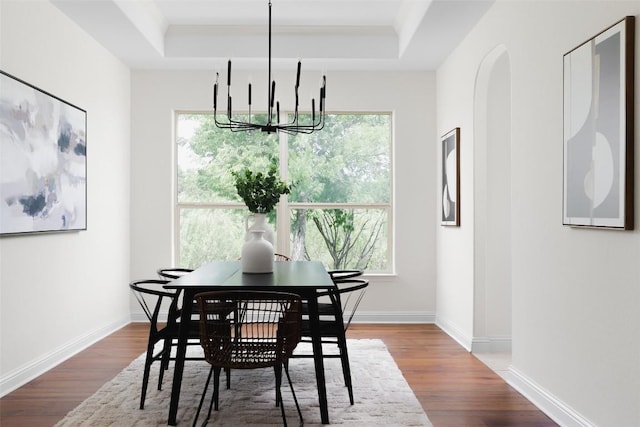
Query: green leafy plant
[[260, 191]]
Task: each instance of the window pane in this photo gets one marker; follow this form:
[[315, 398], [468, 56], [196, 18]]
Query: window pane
[[212, 234], [206, 156], [341, 238], [349, 161]]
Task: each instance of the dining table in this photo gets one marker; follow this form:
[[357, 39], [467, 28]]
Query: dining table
[[304, 278]]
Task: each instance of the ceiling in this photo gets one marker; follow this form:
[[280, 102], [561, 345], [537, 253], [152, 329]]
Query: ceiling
[[323, 34]]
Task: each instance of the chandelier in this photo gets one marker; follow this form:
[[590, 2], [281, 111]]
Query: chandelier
[[273, 124]]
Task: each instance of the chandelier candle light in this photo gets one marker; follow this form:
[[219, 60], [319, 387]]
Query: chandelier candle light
[[271, 126]]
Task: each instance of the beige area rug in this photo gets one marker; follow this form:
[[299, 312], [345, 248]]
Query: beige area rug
[[382, 396]]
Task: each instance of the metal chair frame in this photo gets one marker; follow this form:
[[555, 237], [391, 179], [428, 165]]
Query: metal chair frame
[[145, 291], [334, 321]]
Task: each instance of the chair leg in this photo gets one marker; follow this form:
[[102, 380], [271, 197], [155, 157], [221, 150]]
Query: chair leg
[[204, 393], [346, 368], [145, 377], [164, 361], [166, 353], [278, 373], [160, 376], [277, 369], [293, 392], [216, 389]]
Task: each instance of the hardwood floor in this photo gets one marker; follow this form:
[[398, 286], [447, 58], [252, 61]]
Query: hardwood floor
[[454, 388]]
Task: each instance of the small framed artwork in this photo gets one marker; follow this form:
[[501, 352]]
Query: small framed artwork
[[43, 161], [451, 178], [598, 130]]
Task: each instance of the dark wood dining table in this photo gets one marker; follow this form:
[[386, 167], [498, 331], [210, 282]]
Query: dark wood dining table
[[304, 278]]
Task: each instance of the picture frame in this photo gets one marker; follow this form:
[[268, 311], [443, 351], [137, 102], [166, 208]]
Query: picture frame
[[43, 161], [450, 189], [598, 140]]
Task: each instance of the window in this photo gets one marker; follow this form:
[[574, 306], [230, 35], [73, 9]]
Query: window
[[339, 210]]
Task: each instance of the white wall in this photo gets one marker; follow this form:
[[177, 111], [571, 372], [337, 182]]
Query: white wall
[[576, 292], [407, 296], [59, 292]]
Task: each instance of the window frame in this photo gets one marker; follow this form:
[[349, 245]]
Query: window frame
[[284, 207]]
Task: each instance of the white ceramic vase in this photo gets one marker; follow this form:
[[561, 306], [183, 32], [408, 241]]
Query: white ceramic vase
[[257, 254], [259, 223]]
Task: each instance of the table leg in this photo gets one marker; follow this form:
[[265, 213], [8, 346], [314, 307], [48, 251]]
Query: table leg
[[181, 351], [314, 323]]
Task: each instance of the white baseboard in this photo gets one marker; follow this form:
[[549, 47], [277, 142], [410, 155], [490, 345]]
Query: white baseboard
[[474, 344], [394, 317], [491, 345], [360, 317], [141, 318], [22, 375], [557, 410], [454, 332], [553, 407]]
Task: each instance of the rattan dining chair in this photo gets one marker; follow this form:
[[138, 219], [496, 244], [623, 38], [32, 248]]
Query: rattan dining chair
[[335, 317], [248, 330]]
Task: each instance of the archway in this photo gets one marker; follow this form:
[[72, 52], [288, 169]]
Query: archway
[[492, 204]]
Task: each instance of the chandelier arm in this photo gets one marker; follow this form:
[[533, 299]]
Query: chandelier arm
[[303, 128], [295, 118], [237, 124], [294, 126], [230, 122]]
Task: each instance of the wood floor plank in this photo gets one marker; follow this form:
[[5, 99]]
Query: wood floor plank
[[454, 388]]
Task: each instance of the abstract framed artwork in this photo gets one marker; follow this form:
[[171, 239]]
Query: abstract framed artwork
[[599, 130], [450, 214], [43, 161]]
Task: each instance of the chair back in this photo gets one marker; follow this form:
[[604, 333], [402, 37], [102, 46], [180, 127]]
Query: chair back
[[150, 294], [248, 329], [346, 296], [173, 273], [340, 275]]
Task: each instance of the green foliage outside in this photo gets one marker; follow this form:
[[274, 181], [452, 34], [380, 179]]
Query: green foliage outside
[[345, 169]]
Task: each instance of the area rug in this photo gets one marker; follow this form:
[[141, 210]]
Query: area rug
[[382, 395]]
